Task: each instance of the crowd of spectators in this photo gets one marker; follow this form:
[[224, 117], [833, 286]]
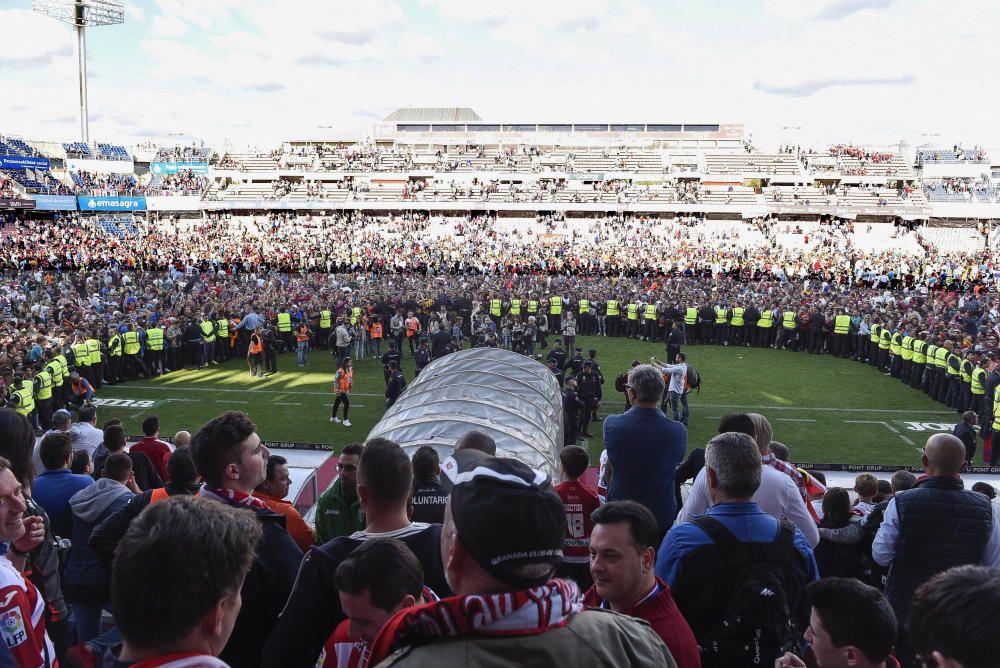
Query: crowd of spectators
[[105, 185]]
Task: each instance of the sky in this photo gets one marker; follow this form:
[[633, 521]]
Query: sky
[[256, 72]]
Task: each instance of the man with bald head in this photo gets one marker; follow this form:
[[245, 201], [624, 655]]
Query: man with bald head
[[934, 526]]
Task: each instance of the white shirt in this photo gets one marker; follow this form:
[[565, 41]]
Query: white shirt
[[777, 496], [677, 374], [87, 437]]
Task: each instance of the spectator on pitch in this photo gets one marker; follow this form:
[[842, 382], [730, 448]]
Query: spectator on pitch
[[429, 496], [909, 541], [231, 459], [377, 580], [851, 625], [86, 582], [313, 611], [776, 495], [644, 448], [502, 543], [86, 435], [696, 559], [191, 545], [339, 512], [675, 377], [151, 446], [965, 432], [580, 501], [273, 491], [623, 552], [145, 473], [54, 487], [952, 618]]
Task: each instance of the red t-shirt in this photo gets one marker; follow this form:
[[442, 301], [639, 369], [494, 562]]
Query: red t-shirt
[[158, 453], [580, 501]]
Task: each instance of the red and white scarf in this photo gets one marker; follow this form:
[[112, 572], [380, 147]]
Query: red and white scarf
[[233, 497], [517, 613]]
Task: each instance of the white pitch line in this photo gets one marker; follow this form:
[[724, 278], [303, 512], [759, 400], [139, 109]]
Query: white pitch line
[[693, 406], [793, 420], [230, 401], [888, 426], [287, 403]]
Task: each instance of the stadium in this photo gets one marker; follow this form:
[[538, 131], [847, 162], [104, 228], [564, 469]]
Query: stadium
[[441, 276]]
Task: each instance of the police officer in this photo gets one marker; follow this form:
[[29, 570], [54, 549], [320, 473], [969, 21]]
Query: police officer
[[557, 373], [588, 388], [116, 356], [42, 386], [391, 356], [558, 353], [575, 363], [573, 408], [421, 358], [397, 383]]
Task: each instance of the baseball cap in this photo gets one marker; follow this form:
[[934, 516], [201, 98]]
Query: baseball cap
[[508, 515]]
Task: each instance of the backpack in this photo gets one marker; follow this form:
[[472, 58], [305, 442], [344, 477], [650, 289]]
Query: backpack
[[620, 381], [757, 626], [693, 380]]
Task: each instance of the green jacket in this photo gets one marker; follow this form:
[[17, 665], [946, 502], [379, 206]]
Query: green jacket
[[337, 514], [591, 638]]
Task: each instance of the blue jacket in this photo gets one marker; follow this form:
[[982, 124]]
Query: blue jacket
[[52, 490], [644, 449], [91, 506], [700, 586]]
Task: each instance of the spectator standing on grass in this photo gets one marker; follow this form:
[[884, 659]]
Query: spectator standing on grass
[[343, 381], [273, 491], [675, 376], [623, 552], [644, 448], [909, 542], [338, 512]]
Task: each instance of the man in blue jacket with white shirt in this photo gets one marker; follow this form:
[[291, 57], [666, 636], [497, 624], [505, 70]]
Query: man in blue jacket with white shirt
[[644, 448]]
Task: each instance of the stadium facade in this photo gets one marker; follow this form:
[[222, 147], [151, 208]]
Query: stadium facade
[[449, 161]]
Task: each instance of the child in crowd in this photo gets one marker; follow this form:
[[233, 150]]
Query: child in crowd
[[580, 501], [866, 487]]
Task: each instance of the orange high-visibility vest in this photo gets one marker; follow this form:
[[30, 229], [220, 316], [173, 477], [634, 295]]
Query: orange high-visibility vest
[[344, 381], [159, 494], [377, 330], [256, 345]]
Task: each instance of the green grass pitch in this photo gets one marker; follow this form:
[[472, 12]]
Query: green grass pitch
[[824, 409]]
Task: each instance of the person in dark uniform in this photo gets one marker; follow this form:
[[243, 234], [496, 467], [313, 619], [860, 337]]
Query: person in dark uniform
[[271, 343], [674, 341], [816, 324], [575, 364], [966, 432], [573, 407], [589, 388], [453, 347], [706, 324], [389, 357], [422, 357], [558, 353], [397, 383], [558, 373]]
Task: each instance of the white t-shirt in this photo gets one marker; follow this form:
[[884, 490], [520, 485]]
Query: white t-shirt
[[675, 375]]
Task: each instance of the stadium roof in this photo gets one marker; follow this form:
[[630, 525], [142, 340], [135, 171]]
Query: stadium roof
[[433, 115]]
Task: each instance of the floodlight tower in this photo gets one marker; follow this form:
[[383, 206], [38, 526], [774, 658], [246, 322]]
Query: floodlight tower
[[82, 14]]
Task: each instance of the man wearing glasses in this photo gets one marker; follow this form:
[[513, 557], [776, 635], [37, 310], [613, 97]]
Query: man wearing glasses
[[338, 512]]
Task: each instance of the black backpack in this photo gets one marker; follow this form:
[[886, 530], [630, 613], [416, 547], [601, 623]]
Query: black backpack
[[693, 379], [620, 381], [757, 626]]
